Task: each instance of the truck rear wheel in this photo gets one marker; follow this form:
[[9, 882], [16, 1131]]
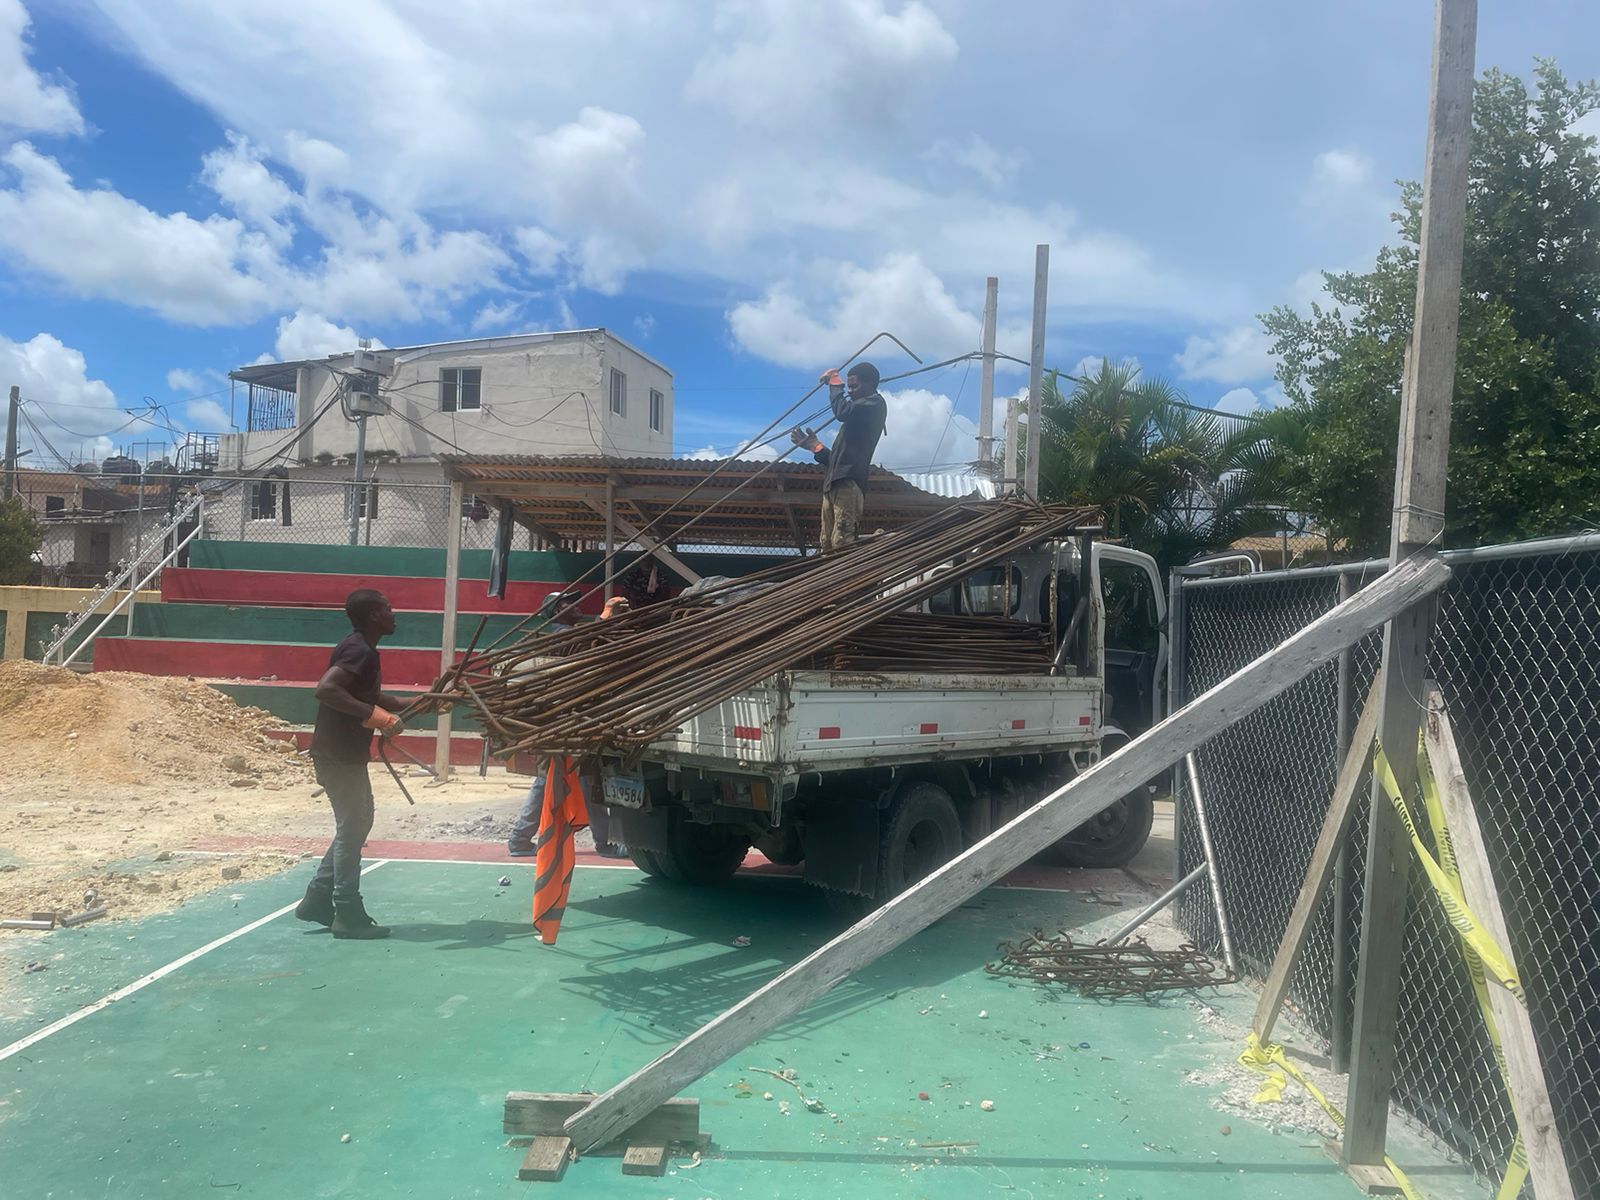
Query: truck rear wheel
[[695, 854], [921, 832]]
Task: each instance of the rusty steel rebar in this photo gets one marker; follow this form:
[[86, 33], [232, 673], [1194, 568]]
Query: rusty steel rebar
[[617, 685], [1107, 972]]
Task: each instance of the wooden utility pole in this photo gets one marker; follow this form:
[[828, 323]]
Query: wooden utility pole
[[1418, 523], [991, 303]]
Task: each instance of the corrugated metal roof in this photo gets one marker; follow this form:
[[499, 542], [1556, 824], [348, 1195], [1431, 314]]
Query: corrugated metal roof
[[956, 484], [729, 503]]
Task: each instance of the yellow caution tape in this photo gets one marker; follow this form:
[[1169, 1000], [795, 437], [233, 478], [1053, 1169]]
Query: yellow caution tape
[[1516, 1172], [1276, 1070], [1455, 907]]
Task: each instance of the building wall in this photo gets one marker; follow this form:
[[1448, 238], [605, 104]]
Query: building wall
[[527, 405]]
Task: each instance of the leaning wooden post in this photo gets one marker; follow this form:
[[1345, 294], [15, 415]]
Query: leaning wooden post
[[1522, 1065], [447, 640], [982, 864], [1418, 523]]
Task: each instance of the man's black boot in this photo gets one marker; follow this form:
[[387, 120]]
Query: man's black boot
[[317, 905], [350, 920]]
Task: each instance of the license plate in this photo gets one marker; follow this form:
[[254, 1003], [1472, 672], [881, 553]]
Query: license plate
[[623, 791]]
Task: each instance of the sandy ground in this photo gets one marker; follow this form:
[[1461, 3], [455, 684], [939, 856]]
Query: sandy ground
[[60, 839]]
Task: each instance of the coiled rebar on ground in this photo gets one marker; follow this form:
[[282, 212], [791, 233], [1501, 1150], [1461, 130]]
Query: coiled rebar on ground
[[1107, 972]]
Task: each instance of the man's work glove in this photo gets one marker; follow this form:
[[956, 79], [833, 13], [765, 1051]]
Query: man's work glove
[[804, 437], [831, 378], [383, 721]]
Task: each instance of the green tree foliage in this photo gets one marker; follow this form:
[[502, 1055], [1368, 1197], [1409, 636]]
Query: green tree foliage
[[1525, 426], [20, 535], [1170, 479]]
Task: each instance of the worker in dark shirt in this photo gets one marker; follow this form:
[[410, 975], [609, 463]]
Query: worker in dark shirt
[[351, 705], [862, 414]]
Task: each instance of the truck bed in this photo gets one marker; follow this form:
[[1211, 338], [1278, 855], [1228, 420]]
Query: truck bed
[[800, 721]]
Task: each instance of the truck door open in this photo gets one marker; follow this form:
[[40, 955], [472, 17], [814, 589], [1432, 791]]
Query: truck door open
[[1135, 643]]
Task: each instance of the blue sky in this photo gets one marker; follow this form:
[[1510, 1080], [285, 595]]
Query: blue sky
[[747, 190]]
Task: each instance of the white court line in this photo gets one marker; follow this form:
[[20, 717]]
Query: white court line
[[145, 981]]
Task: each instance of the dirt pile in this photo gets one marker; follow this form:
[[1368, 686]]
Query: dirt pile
[[117, 727]]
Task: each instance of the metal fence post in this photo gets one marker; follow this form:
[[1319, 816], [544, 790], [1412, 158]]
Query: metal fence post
[[1177, 651]]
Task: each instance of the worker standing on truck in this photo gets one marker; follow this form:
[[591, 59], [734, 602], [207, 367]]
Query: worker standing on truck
[[862, 414], [351, 705]]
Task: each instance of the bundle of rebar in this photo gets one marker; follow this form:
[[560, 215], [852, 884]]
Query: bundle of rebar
[[616, 686], [1107, 972], [911, 641]]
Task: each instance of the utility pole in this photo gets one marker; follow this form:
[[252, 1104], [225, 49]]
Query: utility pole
[[358, 499], [11, 441], [1009, 481], [1041, 283], [1424, 449], [991, 299]]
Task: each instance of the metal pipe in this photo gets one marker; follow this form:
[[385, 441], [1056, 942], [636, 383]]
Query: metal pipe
[[1156, 905], [1204, 826], [1339, 997]]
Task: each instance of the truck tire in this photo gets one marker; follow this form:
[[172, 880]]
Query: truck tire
[[654, 863], [696, 854], [1113, 837], [921, 832]]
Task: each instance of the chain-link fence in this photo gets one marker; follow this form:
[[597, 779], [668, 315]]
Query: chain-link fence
[[1516, 655], [95, 524]]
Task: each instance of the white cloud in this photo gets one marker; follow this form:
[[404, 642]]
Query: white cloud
[[27, 103], [1239, 400], [923, 430], [311, 335], [644, 326], [76, 414], [783, 61], [99, 243], [1340, 170], [540, 249], [496, 315], [182, 379], [1238, 355], [586, 172], [242, 181], [995, 167], [900, 294], [207, 415]]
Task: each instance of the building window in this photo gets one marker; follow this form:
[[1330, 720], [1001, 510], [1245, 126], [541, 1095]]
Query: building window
[[54, 506], [460, 389], [619, 393], [264, 501], [658, 406]]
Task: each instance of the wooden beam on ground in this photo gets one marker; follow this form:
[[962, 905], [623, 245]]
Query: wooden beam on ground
[[650, 546], [538, 1113], [1324, 857], [645, 1160], [1424, 449], [1007, 848], [1530, 1094], [546, 1160]]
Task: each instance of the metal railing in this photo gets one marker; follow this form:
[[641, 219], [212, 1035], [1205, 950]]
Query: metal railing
[[169, 535], [1516, 655]]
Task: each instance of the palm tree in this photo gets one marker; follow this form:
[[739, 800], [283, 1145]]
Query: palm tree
[[1173, 480]]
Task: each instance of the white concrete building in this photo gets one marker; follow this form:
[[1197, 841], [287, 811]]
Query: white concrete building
[[583, 391]]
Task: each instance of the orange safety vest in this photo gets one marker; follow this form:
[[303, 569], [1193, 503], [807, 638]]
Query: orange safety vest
[[564, 813]]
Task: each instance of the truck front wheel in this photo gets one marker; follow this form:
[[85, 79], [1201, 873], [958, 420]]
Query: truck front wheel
[[1111, 837]]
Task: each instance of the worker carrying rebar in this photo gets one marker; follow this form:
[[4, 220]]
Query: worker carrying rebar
[[862, 414], [351, 706]]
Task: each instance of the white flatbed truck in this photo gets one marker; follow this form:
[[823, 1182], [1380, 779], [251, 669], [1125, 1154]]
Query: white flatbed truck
[[871, 779]]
